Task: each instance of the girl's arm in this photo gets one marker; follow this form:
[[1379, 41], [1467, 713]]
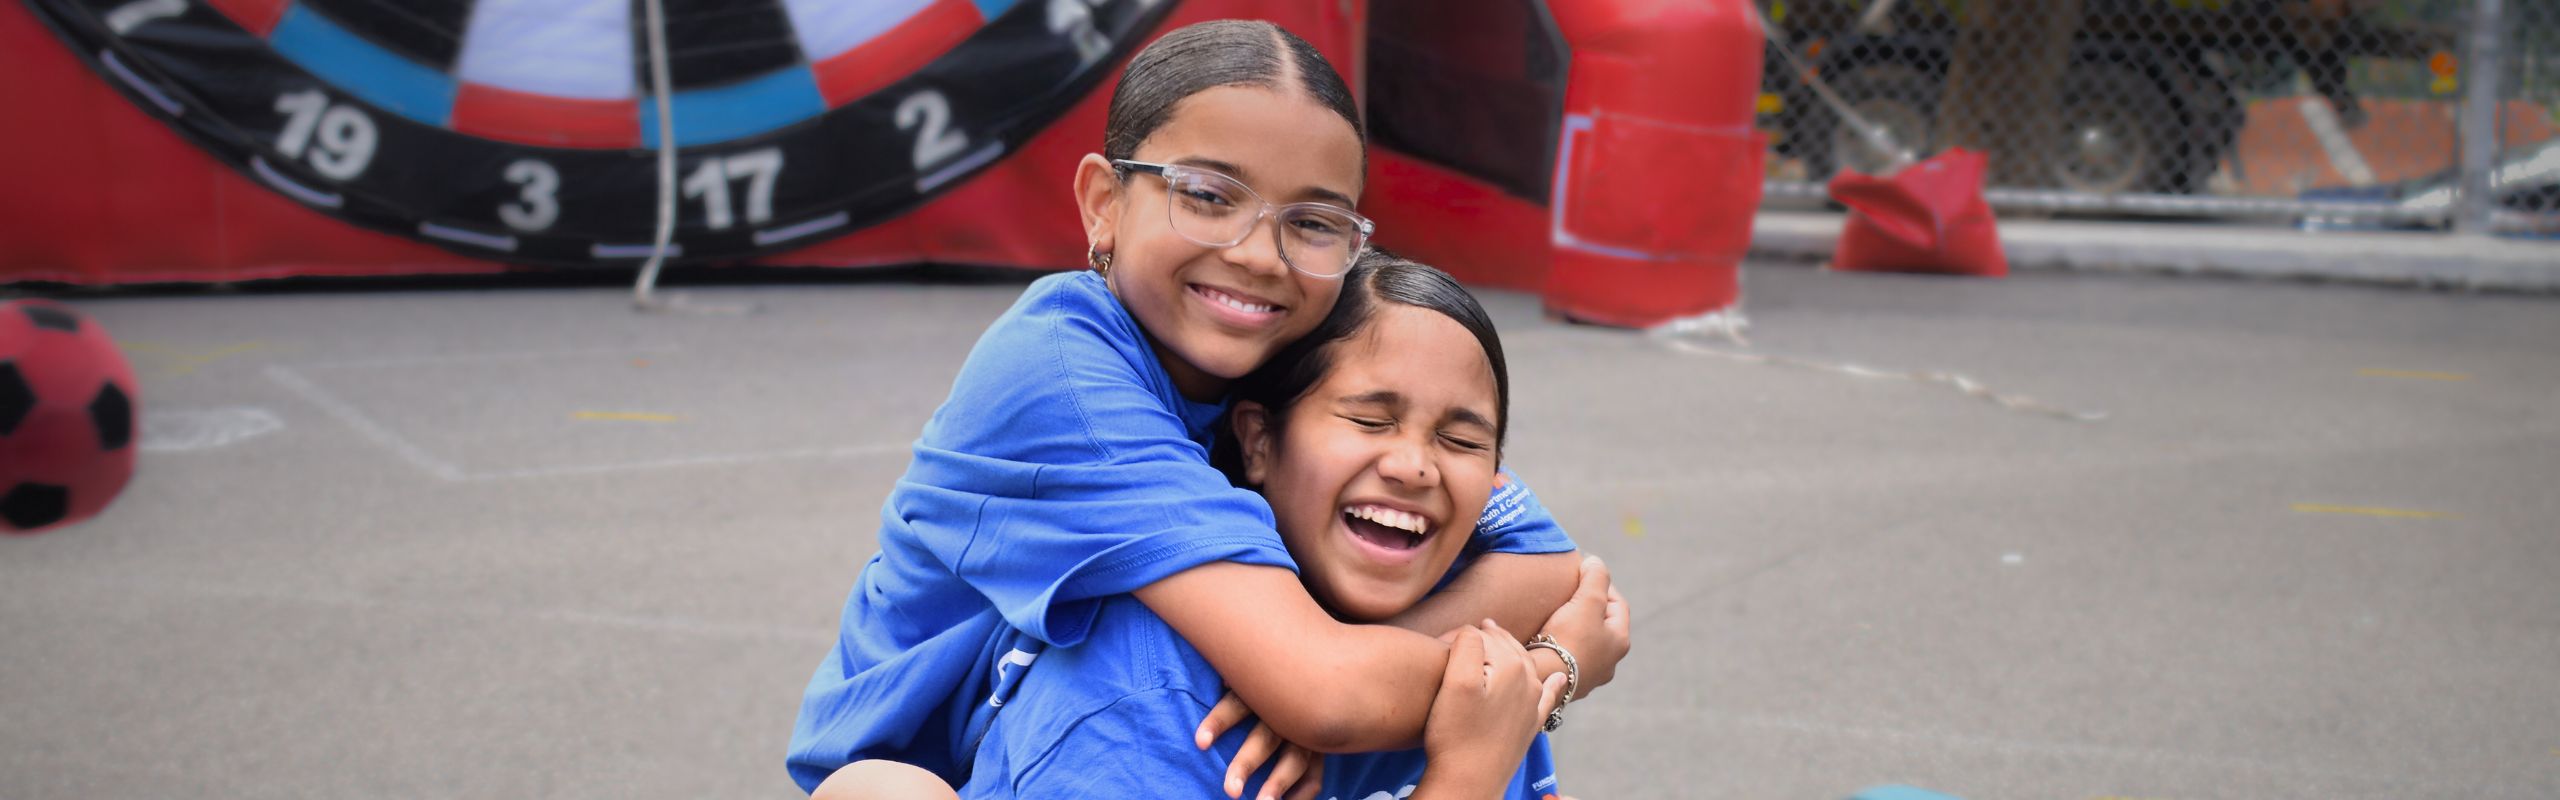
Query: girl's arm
[[1523, 579], [1512, 589], [1351, 699], [1325, 685], [1594, 623], [1518, 591], [1508, 586], [1333, 687]]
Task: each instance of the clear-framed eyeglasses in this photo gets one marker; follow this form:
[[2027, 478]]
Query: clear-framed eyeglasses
[[1213, 209]]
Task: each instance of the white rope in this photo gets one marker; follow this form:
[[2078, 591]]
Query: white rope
[[1876, 136], [644, 291], [1968, 386]]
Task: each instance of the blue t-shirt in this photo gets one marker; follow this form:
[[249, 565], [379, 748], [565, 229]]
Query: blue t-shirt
[[1065, 469], [1111, 718]]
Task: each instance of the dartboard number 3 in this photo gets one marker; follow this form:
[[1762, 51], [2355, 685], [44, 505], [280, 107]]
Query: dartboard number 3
[[336, 140], [927, 114], [537, 205], [710, 183]]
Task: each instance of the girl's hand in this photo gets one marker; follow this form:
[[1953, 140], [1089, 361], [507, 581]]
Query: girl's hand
[[1491, 704], [1594, 624], [1299, 773]]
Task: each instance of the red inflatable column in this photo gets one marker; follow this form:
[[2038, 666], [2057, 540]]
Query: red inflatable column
[[1658, 167]]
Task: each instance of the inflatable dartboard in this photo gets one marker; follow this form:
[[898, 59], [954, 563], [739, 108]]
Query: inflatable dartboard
[[526, 130], [1599, 152]]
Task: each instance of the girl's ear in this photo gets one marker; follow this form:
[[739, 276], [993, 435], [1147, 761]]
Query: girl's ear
[[1253, 440], [1097, 188]]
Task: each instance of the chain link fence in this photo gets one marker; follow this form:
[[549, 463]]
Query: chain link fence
[[2321, 113]]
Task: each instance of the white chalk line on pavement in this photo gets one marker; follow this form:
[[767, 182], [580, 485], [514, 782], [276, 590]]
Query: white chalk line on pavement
[[361, 602], [407, 450], [418, 456]]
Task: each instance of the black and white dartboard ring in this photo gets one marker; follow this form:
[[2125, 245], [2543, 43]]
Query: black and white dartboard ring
[[523, 130]]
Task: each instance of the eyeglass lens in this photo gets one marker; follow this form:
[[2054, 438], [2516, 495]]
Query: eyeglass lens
[[1216, 211]]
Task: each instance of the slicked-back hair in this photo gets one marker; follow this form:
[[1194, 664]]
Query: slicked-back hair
[[1376, 277], [1203, 56]]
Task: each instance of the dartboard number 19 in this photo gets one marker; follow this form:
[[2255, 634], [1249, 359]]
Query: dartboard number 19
[[345, 137]]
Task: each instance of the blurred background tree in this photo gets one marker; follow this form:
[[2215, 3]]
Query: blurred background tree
[[2005, 82]]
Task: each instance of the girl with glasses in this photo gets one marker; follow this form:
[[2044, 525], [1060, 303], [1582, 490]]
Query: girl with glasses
[[1376, 439], [1069, 465]]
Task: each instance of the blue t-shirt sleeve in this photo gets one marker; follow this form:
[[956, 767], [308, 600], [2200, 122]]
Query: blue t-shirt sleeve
[[1515, 522], [1061, 470], [1076, 533]]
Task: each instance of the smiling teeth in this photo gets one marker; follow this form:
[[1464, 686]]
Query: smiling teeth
[[1230, 301], [1409, 523]]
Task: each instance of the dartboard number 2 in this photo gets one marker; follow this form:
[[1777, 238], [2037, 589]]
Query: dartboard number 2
[[344, 136], [710, 183], [927, 114]]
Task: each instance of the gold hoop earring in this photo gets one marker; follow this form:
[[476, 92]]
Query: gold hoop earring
[[1099, 261]]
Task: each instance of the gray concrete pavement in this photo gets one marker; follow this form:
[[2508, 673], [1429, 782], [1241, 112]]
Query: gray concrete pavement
[[525, 543]]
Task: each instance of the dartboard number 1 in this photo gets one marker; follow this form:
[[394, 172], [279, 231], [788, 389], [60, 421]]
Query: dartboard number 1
[[710, 183], [1074, 20], [344, 136]]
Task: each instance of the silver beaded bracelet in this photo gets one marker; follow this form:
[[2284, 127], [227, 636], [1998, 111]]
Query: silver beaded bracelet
[[1572, 677]]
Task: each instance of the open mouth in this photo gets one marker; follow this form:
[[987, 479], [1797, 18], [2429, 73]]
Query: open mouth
[[1387, 528]]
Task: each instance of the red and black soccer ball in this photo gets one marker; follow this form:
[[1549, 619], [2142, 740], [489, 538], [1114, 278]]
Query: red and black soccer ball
[[69, 417]]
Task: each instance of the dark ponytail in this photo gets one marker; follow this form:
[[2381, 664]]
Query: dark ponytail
[[1376, 276], [1204, 56]]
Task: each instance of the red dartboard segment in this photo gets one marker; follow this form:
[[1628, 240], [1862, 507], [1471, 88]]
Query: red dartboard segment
[[490, 112], [256, 16], [914, 43]]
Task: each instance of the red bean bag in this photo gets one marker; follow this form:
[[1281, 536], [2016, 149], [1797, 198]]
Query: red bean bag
[[1928, 217]]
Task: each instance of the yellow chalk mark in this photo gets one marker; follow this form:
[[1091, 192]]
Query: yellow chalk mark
[[624, 416], [172, 360], [2370, 511], [1634, 526], [2417, 375]]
